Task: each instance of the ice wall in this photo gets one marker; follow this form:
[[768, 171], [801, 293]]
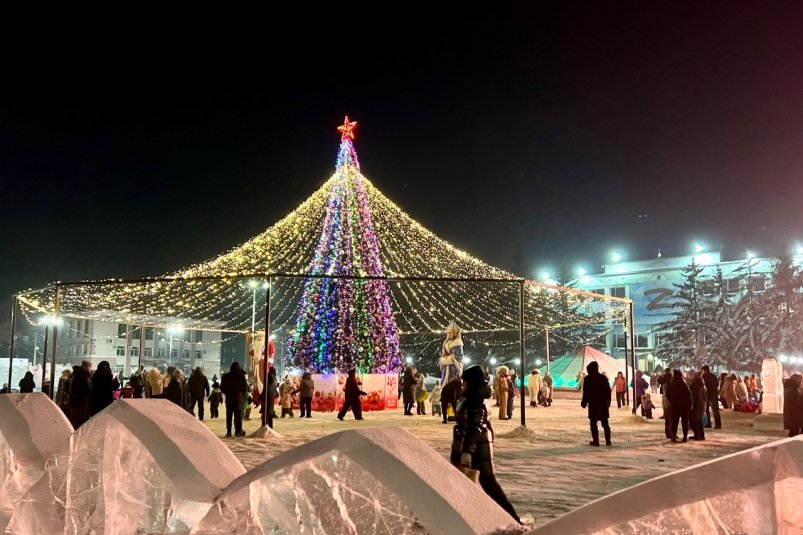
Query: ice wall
[[32, 429], [355, 482], [756, 491], [144, 466]]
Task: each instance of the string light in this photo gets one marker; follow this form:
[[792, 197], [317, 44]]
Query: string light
[[312, 239]]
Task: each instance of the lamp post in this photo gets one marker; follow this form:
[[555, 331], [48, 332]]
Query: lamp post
[[55, 322], [172, 331], [36, 347], [254, 285]]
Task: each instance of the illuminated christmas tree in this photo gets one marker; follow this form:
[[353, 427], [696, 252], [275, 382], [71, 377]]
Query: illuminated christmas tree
[[343, 324]]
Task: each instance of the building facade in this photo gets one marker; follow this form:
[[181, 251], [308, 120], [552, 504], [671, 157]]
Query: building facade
[[126, 346], [651, 284]]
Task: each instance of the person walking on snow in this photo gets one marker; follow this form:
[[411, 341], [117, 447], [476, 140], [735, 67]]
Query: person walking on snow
[[534, 385], [620, 386], [352, 393], [712, 390], [198, 386], [472, 444], [235, 388], [597, 397]]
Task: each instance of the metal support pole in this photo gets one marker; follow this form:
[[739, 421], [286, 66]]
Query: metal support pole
[[633, 352], [143, 329], [11, 342], [546, 338], [247, 363], [521, 348], [44, 363], [627, 370], [55, 338], [267, 412]]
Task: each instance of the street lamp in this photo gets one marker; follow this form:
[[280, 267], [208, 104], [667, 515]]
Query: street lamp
[[253, 284], [172, 331], [54, 321], [36, 347]]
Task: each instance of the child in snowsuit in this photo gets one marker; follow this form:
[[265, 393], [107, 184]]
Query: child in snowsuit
[[436, 400], [215, 399], [646, 405], [286, 396]]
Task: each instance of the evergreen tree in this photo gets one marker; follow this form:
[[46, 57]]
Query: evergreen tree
[[747, 325], [574, 323], [780, 328], [683, 338], [717, 321]]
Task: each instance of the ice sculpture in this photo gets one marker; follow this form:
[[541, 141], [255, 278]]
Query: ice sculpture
[[32, 429], [355, 482], [756, 491], [144, 466], [772, 383]]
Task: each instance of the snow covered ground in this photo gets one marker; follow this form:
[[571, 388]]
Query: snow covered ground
[[546, 474]]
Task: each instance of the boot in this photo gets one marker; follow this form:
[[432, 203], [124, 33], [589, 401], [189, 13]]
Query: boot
[[607, 436], [595, 437]]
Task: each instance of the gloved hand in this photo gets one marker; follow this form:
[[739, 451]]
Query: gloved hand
[[583, 404], [465, 459]]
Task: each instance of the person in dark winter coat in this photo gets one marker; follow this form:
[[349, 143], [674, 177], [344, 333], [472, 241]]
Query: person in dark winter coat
[[699, 403], [177, 391], [138, 383], [306, 390], [26, 384], [215, 399], [235, 388], [473, 436], [408, 390], [663, 382], [793, 404], [681, 401], [712, 388], [103, 387], [273, 392], [511, 392], [198, 386], [449, 396], [79, 394], [597, 397], [352, 393], [641, 386]]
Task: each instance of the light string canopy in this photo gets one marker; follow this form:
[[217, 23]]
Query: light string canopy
[[414, 282]]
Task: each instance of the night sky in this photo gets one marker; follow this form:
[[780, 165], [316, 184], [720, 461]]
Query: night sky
[[528, 138]]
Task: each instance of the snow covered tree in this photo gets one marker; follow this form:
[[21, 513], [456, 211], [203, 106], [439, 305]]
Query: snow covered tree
[[779, 313], [683, 339], [717, 322]]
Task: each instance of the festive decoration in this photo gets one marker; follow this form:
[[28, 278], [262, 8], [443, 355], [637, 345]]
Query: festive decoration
[[347, 129], [345, 323], [216, 295]]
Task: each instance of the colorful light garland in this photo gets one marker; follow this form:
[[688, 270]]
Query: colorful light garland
[[343, 324]]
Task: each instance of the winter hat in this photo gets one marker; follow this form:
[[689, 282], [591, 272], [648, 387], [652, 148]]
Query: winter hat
[[474, 375]]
